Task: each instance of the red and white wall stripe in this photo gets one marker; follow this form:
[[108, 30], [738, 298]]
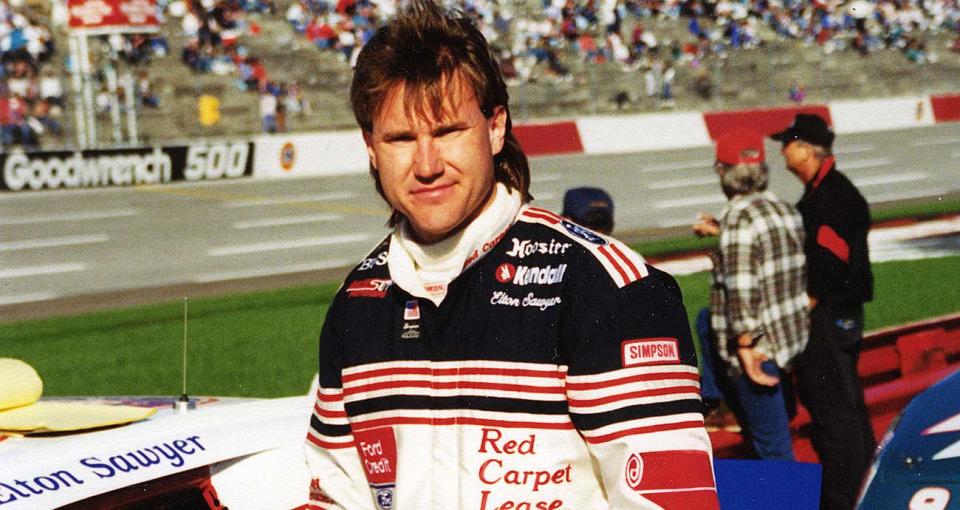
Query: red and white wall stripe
[[343, 152]]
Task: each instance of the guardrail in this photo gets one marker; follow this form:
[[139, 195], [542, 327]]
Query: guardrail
[[896, 364]]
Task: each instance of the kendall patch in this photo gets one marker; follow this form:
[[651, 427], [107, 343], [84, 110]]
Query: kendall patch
[[583, 233], [505, 272], [370, 287], [650, 351]]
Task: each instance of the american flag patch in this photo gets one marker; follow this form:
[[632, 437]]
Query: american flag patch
[[411, 312]]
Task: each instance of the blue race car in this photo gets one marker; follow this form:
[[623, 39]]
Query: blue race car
[[917, 466]]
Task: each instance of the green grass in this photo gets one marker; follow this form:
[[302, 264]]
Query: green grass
[[265, 344], [261, 344]]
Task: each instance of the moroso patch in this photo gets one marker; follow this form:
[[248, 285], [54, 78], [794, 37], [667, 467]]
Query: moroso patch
[[650, 351], [370, 287]]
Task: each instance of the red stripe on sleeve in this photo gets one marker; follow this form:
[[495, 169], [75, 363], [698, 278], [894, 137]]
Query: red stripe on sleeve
[[829, 239], [616, 265], [327, 444], [674, 469], [627, 261], [540, 216]]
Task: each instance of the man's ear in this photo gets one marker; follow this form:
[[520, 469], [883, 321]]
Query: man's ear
[[368, 141], [498, 129]]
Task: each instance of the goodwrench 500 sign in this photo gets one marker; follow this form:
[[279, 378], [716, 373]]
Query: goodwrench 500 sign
[[125, 167]]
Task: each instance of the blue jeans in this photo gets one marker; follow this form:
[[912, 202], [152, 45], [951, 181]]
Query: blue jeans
[[764, 419], [760, 410]]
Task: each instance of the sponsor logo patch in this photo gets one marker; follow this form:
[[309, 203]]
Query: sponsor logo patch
[[523, 247], [506, 272], [378, 454], [369, 263], [583, 233], [288, 156], [650, 351], [634, 471], [384, 496], [370, 287]]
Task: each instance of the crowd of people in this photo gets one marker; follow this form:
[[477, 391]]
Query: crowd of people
[[543, 45], [31, 95]]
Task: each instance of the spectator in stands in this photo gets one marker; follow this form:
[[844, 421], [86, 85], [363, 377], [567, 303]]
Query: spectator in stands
[[268, 111], [590, 207], [758, 302], [836, 219], [145, 93]]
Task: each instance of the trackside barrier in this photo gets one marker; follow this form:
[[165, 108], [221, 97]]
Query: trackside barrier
[[97, 168], [896, 364], [946, 107], [762, 120]]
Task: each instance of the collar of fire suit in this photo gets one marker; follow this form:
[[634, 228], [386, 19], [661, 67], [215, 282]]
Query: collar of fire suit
[[425, 271]]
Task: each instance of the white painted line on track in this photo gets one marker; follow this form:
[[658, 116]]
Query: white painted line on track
[[915, 231], [854, 149], [547, 178], [864, 163], [715, 198], [684, 183], [679, 165], [13, 299], [940, 141], [52, 242], [955, 154], [900, 195], [286, 245], [890, 179], [676, 222], [18, 272], [286, 220], [292, 199], [68, 216], [296, 268]]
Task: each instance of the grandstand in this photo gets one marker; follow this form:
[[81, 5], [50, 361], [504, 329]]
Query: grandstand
[[735, 55]]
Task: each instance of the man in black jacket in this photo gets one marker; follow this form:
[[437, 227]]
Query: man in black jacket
[[836, 220]]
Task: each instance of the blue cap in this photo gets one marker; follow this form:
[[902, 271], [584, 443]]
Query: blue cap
[[590, 207]]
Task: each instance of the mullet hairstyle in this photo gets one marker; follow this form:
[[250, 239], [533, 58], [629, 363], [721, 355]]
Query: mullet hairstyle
[[425, 48]]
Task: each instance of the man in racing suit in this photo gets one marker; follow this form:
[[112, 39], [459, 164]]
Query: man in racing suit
[[489, 354]]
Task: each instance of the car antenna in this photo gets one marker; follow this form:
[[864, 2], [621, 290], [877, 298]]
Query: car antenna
[[184, 403]]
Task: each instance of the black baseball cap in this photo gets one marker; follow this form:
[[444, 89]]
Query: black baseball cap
[[590, 207], [807, 127]]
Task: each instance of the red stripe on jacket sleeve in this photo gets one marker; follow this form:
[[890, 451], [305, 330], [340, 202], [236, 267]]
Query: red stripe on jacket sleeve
[[829, 239]]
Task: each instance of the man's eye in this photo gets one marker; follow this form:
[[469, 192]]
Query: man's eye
[[400, 139], [447, 131]]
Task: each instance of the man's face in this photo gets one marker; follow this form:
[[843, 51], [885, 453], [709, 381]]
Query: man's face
[[437, 172], [795, 154]]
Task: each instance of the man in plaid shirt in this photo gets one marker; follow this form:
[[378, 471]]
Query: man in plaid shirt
[[758, 301]]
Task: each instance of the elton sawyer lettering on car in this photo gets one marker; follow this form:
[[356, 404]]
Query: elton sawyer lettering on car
[[173, 454]]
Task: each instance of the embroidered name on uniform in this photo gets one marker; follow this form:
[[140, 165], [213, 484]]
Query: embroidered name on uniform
[[650, 351]]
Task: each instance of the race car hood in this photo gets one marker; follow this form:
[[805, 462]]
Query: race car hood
[[49, 471], [927, 438]]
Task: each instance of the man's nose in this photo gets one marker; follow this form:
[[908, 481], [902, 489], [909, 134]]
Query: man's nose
[[428, 163]]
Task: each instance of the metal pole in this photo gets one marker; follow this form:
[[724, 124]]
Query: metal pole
[[111, 73], [88, 90], [130, 87], [79, 116]]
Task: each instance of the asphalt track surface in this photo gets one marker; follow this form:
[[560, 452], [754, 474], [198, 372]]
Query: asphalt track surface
[[82, 249]]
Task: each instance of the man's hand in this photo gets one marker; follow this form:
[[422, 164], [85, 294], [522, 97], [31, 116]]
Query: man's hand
[[813, 301], [706, 225], [750, 360]]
